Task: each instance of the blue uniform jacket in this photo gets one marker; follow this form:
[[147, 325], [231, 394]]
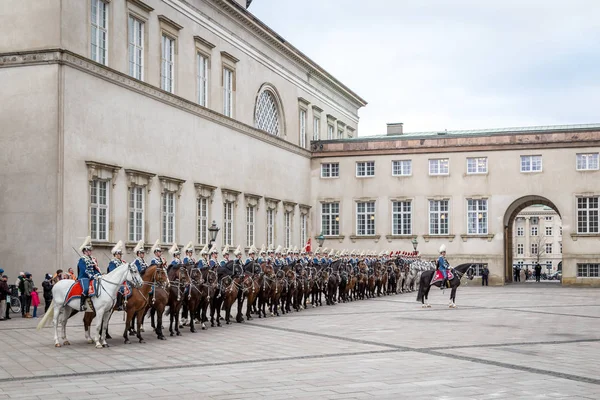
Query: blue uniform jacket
[[141, 265], [113, 264], [86, 268], [212, 263], [201, 264], [188, 260]]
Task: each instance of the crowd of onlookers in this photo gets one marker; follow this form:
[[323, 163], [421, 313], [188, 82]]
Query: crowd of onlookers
[[27, 292]]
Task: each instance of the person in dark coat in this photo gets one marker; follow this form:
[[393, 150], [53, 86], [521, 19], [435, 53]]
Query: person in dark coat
[[538, 272], [47, 286], [4, 291], [484, 275]]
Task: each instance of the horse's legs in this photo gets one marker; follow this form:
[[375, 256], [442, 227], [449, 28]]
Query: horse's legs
[[152, 324], [159, 326], [128, 320], [171, 319], [104, 326], [57, 312], [139, 316], [66, 315], [192, 315]]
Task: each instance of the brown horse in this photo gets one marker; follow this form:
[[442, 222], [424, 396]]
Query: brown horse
[[231, 289], [180, 280], [251, 289], [198, 294], [157, 302]]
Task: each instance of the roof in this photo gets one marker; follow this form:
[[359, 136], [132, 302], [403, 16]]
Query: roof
[[478, 132]]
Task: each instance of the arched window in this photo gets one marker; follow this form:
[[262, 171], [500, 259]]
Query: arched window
[[267, 111]]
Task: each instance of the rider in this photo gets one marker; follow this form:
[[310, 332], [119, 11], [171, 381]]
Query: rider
[[140, 254], [117, 252], [214, 254], [443, 265], [203, 261], [158, 258], [189, 252], [87, 269], [225, 254], [263, 255], [238, 265], [251, 255], [174, 251]]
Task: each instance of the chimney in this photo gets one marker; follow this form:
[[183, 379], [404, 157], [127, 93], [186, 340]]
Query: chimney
[[395, 129]]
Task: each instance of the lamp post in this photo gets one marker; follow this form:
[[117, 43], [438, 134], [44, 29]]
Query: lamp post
[[321, 239], [415, 244], [213, 230]]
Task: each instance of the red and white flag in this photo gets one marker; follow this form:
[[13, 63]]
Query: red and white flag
[[308, 247]]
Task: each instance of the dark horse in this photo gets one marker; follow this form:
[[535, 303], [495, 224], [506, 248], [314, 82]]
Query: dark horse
[[427, 276]]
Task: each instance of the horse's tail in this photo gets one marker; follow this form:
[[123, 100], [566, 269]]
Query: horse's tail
[[421, 291], [47, 316]]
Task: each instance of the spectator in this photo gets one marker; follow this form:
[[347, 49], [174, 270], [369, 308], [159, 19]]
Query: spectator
[[7, 316], [72, 274], [527, 273], [27, 289], [517, 273], [35, 300], [47, 286], [3, 293], [538, 272], [20, 284], [484, 275], [59, 275]]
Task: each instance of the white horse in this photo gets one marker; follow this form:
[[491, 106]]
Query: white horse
[[103, 304]]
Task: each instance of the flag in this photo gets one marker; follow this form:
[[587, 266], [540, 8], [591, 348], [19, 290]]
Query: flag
[[308, 247]]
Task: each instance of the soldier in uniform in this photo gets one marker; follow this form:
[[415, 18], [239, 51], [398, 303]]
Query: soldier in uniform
[[289, 256], [251, 256], [158, 258], [263, 255], [176, 254], [225, 254], [140, 253], [203, 261], [214, 254], [189, 252], [238, 265], [87, 269], [117, 253], [443, 265], [317, 258]]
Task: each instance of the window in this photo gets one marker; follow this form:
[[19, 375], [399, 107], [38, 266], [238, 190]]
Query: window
[[203, 220], [228, 92], [548, 248], [316, 128], [531, 163], [560, 246], [330, 131], [287, 229], [560, 231], [267, 113], [478, 269], [439, 167], [548, 264], [587, 215], [330, 170], [534, 231], [402, 168], [100, 31], [330, 219], [302, 122], [587, 162], [99, 210], [167, 70], [228, 223], [202, 77], [534, 220], [520, 264], [365, 218], [401, 218], [588, 270], [477, 165], [303, 229], [340, 133], [168, 217], [534, 249], [365, 168], [270, 227], [136, 48], [136, 213], [250, 227], [520, 231], [548, 231], [477, 217], [548, 218], [438, 217], [520, 249]]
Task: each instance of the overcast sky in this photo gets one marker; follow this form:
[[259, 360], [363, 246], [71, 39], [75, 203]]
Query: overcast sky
[[453, 64]]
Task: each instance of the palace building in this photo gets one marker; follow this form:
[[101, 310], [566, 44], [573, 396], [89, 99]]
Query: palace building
[[149, 119]]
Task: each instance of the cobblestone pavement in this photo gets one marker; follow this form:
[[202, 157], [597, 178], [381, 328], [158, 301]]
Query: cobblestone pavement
[[534, 341]]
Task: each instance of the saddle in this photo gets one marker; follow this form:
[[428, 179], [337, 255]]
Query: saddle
[[125, 290], [438, 276], [75, 291]]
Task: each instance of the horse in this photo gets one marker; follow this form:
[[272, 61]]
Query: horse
[[103, 303], [179, 280], [198, 294], [427, 277], [157, 302], [251, 289]]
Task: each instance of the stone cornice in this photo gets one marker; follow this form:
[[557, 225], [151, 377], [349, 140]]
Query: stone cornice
[[204, 42], [141, 5], [64, 57], [170, 22], [229, 57]]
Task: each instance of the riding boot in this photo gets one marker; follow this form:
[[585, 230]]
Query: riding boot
[[443, 285], [119, 301], [82, 304]]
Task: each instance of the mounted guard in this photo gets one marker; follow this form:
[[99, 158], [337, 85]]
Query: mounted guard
[[176, 254], [158, 258], [189, 252], [203, 261], [214, 254], [140, 253], [117, 253], [87, 270], [443, 266]]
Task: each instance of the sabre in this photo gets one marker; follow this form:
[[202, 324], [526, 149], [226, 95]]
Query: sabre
[[76, 252]]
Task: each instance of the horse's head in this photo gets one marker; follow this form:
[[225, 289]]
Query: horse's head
[[195, 275], [133, 276], [161, 277]]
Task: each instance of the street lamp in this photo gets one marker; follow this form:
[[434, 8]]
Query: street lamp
[[415, 243], [321, 239], [213, 230]]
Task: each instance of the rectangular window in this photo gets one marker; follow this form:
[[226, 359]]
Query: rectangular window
[[402, 168], [587, 215], [531, 163], [401, 218], [227, 92], [302, 123], [477, 165], [228, 223], [587, 162], [136, 48], [588, 270], [534, 231], [548, 231], [520, 249], [316, 128], [438, 217], [99, 210], [250, 226], [365, 218], [270, 227], [520, 231], [477, 217], [303, 229], [366, 168], [136, 213], [560, 246], [202, 78], [548, 218], [100, 31], [330, 131], [167, 70], [330, 219], [548, 264], [340, 133], [287, 229], [439, 166], [168, 217], [330, 170], [534, 249], [548, 248], [202, 220]]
